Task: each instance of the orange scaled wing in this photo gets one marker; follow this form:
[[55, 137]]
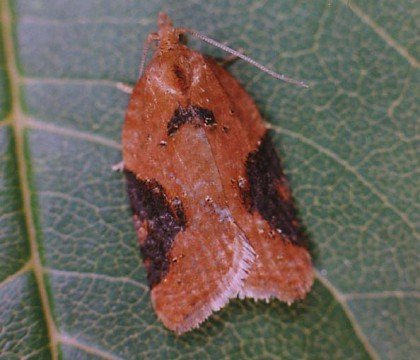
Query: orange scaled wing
[[212, 209]]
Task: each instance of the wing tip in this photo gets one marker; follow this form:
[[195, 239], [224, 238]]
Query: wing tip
[[295, 280], [229, 289]]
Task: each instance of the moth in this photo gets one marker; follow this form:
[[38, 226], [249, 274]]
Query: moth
[[213, 211]]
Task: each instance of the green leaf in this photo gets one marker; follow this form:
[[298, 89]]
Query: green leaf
[[71, 282]]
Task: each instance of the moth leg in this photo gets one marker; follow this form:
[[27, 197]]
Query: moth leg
[[118, 167], [124, 88]]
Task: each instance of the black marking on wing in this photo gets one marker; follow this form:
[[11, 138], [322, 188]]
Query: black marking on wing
[[162, 218], [190, 115], [269, 193]]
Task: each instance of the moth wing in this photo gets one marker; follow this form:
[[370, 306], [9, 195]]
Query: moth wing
[[283, 266], [196, 255], [212, 261]]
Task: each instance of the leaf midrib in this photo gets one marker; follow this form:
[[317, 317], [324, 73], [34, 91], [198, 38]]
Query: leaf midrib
[[18, 124]]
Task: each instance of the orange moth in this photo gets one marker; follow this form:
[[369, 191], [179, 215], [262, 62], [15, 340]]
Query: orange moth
[[213, 212]]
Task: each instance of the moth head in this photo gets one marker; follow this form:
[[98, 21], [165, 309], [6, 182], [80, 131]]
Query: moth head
[[169, 37], [164, 21]]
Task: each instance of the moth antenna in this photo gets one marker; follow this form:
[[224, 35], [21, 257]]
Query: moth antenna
[[246, 58], [151, 37]]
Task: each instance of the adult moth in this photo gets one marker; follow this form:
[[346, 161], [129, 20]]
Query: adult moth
[[213, 212]]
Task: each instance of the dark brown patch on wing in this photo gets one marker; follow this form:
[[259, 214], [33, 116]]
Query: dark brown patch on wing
[[179, 118], [190, 115], [183, 80], [205, 115], [268, 191], [158, 219]]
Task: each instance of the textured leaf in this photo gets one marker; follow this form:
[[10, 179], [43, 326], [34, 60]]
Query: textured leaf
[[71, 282]]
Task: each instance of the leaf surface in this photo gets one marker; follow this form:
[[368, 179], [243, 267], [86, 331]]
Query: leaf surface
[[71, 281]]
